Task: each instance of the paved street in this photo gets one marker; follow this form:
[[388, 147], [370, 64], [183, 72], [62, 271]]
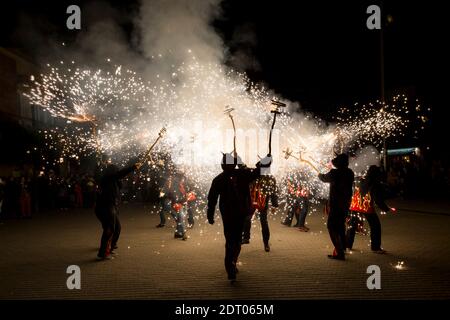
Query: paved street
[[151, 264]]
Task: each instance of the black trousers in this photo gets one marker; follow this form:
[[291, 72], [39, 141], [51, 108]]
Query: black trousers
[[336, 229], [375, 229], [264, 227], [109, 219], [299, 208], [233, 238]]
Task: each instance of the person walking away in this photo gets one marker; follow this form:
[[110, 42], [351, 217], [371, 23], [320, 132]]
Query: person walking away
[[232, 187]]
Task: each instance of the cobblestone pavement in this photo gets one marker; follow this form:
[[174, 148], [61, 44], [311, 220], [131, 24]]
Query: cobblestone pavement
[[151, 264]]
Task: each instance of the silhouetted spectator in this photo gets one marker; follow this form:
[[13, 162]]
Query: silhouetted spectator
[[341, 183], [25, 199]]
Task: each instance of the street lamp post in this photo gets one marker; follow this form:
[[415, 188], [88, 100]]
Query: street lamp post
[[382, 85]]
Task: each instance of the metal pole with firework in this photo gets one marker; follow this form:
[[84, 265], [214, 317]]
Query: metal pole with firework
[[160, 135], [308, 162], [278, 105], [228, 111], [288, 154]]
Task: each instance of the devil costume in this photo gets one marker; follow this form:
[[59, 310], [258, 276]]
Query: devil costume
[[263, 189], [177, 196], [367, 192]]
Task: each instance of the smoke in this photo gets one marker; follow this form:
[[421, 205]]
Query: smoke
[[35, 35], [176, 52], [174, 30], [364, 158], [102, 36], [241, 49]]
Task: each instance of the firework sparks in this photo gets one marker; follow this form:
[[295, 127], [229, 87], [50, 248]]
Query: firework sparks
[[400, 265], [123, 113], [371, 123]]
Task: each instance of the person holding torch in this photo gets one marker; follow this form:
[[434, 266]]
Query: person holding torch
[[107, 203]]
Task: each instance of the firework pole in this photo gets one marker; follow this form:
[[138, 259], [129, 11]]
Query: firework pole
[[308, 162], [228, 111], [278, 105], [288, 154], [160, 135]]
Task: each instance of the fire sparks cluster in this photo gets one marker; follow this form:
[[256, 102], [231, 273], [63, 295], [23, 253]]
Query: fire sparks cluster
[[117, 112], [373, 122]]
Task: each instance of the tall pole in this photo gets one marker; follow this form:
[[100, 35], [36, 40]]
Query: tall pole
[[382, 85], [382, 59]]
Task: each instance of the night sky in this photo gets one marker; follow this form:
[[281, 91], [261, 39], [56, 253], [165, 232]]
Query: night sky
[[318, 53]]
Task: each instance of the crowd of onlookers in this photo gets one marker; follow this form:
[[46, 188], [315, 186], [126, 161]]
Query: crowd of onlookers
[[23, 194], [411, 178]]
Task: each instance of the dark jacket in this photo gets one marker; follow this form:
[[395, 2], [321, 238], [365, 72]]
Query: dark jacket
[[108, 193], [233, 187], [341, 184]]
